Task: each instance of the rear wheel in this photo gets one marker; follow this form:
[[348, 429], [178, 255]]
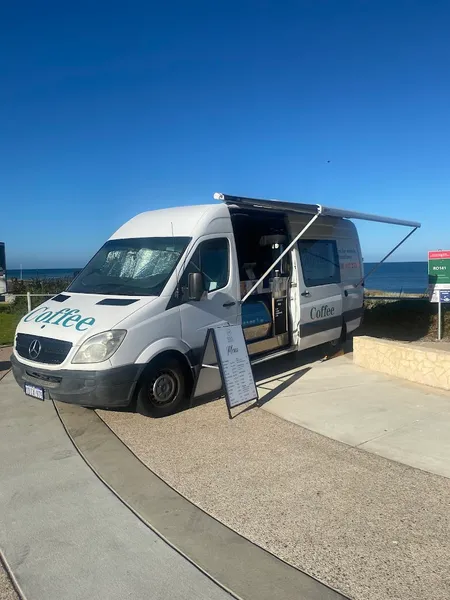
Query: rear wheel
[[336, 344], [162, 390]]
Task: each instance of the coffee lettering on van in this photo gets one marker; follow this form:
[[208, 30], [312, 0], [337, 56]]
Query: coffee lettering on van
[[321, 312], [67, 317]]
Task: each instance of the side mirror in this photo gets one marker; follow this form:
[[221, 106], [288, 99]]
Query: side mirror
[[196, 286]]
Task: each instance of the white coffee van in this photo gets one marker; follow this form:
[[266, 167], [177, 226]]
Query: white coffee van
[[133, 322]]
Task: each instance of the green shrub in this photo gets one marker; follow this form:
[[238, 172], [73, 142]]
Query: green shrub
[[38, 286], [406, 320], [34, 286]]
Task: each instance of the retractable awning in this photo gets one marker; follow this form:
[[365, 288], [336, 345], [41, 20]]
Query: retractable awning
[[316, 211], [310, 209]]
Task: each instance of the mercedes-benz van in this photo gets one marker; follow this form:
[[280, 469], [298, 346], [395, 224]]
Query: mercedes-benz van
[[133, 322]]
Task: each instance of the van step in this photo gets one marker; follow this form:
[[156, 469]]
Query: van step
[[261, 359]]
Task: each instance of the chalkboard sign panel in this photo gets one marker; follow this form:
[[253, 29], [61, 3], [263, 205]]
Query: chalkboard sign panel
[[235, 366], [225, 363], [280, 315]]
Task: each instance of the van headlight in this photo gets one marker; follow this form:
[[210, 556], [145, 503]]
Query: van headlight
[[99, 347]]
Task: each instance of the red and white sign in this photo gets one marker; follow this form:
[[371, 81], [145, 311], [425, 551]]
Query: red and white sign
[[433, 254]]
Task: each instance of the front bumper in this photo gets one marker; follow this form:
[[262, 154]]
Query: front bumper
[[95, 389]]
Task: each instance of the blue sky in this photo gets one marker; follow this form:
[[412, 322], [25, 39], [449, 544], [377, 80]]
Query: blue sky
[[109, 109]]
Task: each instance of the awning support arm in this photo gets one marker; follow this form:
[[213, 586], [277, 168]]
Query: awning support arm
[[386, 257], [285, 251]]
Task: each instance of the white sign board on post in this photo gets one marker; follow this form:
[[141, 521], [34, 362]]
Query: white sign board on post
[[438, 273], [226, 365]]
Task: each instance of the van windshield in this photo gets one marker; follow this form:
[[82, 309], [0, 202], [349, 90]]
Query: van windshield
[[131, 267]]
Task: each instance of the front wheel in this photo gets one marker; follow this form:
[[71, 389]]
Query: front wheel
[[162, 390]]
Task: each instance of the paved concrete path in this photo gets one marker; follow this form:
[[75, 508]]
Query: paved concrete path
[[63, 532], [7, 591], [5, 365], [390, 417]]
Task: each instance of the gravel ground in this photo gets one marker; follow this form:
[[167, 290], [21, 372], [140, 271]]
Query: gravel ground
[[369, 527], [7, 592]]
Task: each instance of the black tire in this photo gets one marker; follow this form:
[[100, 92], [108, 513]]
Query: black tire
[[336, 344], [162, 389]]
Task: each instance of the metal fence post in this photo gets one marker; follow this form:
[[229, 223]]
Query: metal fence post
[[29, 301]]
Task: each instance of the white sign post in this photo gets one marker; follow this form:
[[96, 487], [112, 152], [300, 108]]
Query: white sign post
[[226, 365]]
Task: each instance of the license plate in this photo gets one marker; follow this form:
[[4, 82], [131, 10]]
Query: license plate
[[34, 390]]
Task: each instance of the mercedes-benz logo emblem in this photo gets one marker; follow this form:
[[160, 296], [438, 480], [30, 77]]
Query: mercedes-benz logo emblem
[[34, 349]]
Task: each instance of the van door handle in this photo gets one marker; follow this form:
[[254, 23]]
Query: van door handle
[[305, 293], [228, 304]]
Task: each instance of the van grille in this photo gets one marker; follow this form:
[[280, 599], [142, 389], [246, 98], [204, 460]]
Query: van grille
[[51, 351]]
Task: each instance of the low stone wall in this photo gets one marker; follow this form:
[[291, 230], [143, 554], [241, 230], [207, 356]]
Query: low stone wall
[[421, 364]]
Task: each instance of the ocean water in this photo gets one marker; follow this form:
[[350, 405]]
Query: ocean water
[[405, 277], [41, 273]]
